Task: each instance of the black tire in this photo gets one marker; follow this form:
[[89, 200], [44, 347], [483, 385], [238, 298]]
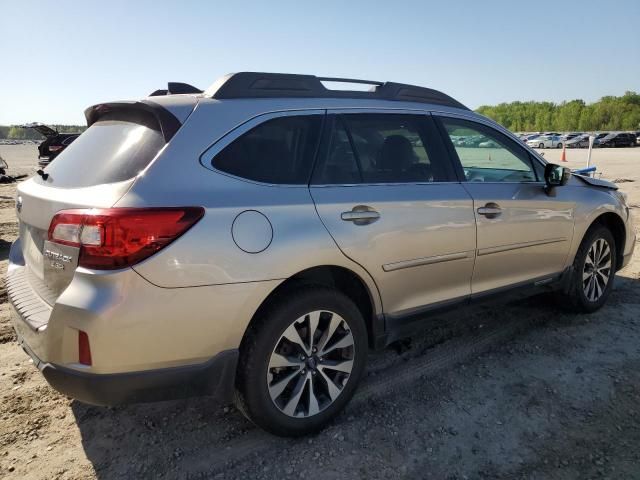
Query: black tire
[[541, 145], [559, 145], [576, 296], [252, 390]]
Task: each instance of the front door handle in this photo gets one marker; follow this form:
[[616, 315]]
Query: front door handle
[[360, 215], [490, 210]]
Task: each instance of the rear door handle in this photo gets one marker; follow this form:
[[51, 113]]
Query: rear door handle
[[360, 215], [490, 210]]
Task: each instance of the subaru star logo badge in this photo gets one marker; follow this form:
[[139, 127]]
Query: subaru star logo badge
[[19, 203]]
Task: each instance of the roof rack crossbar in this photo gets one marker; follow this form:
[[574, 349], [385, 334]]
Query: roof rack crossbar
[[285, 85], [349, 80]]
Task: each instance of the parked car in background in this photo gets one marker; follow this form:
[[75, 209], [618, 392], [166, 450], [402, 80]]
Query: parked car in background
[[53, 144], [255, 241], [617, 139], [580, 141], [488, 144], [546, 141], [598, 137], [568, 136]]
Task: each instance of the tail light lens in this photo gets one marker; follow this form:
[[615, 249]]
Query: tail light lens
[[115, 238], [55, 148]]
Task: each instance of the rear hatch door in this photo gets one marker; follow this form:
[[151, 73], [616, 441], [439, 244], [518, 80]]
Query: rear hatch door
[[42, 129], [95, 171]]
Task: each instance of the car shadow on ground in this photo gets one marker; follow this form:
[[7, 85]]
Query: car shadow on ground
[[197, 436], [151, 439]]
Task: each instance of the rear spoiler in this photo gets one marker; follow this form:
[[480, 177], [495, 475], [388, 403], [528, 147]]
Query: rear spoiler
[[167, 122], [176, 88]]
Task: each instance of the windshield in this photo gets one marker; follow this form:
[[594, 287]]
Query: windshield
[[107, 152]]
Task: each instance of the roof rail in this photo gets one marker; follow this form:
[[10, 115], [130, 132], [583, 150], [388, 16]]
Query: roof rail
[[279, 85], [175, 88]]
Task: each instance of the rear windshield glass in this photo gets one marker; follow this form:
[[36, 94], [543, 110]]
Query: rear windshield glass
[[107, 152]]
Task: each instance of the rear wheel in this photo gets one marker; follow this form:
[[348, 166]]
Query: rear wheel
[[593, 270], [301, 362], [559, 145]]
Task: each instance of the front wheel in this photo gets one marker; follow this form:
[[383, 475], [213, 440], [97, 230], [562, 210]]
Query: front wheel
[[593, 271], [541, 145], [301, 361]]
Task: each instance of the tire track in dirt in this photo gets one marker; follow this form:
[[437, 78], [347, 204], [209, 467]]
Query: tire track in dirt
[[402, 372]]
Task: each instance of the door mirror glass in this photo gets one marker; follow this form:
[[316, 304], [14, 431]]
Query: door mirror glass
[[556, 175]]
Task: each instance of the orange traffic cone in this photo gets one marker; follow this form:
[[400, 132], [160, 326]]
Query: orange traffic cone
[[563, 158]]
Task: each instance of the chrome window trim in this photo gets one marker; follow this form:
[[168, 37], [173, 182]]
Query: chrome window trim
[[397, 184], [537, 182], [390, 110], [207, 156]]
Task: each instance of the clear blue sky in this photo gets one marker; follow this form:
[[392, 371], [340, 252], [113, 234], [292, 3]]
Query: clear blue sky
[[60, 56]]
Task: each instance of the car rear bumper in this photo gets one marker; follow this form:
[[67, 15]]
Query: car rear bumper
[[215, 377], [147, 343]]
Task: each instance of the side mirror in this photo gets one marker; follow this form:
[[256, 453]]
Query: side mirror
[[556, 175]]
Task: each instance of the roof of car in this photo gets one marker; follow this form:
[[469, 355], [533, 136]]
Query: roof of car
[[245, 85]]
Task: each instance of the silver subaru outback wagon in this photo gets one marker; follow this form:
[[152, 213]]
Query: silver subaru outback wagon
[[254, 241]]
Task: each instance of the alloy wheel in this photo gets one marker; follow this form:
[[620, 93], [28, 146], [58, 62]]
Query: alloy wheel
[[597, 270], [310, 364]]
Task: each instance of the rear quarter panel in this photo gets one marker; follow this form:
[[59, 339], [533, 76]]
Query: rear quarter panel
[[207, 254]]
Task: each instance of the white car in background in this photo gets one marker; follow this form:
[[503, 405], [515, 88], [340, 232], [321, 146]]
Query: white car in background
[[546, 141]]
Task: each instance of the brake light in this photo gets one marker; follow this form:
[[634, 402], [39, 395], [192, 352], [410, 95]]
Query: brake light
[[55, 148], [115, 238]]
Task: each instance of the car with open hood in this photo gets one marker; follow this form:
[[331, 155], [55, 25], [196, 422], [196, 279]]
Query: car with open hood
[[53, 144]]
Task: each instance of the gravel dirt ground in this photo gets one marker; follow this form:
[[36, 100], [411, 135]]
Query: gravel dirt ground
[[521, 390]]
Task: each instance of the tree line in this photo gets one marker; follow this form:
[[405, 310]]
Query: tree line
[[609, 113], [15, 132]]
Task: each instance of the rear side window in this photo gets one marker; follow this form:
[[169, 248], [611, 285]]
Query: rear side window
[[278, 151], [377, 148], [109, 151]]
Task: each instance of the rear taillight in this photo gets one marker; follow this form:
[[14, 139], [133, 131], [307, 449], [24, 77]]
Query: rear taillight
[[115, 238], [55, 148]]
